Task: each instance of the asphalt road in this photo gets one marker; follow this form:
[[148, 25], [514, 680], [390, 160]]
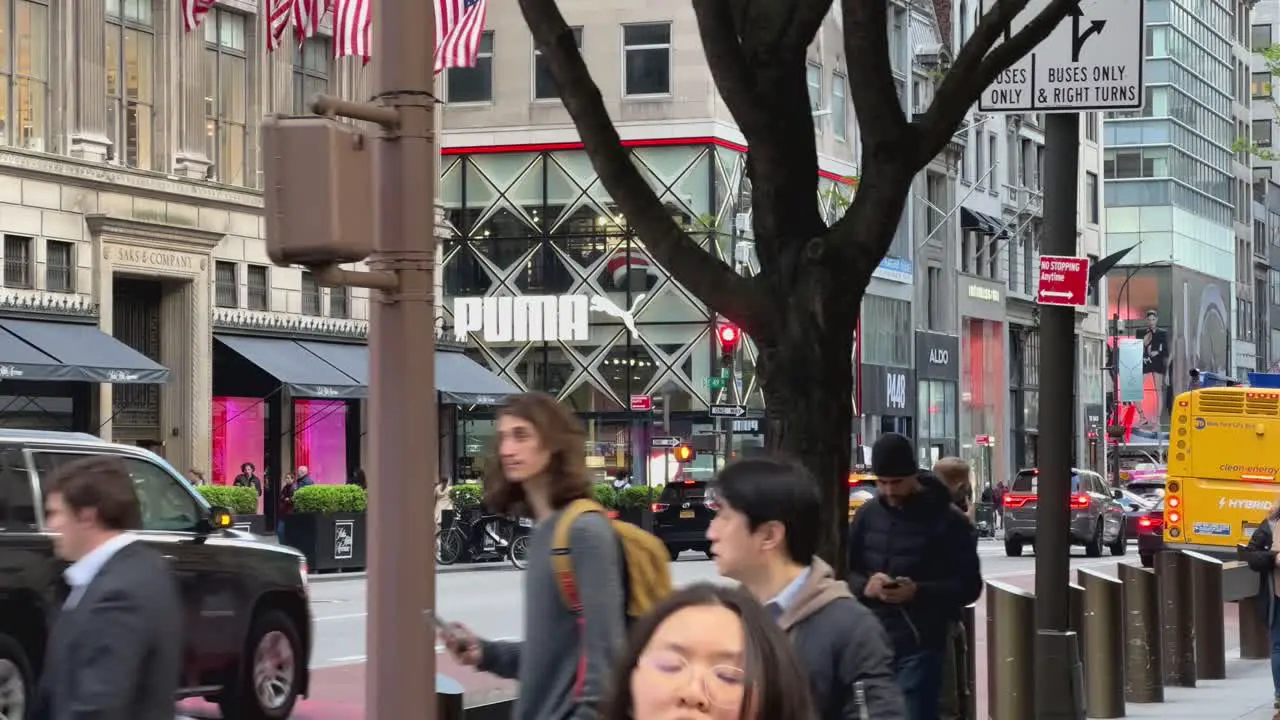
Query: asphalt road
[[490, 602]]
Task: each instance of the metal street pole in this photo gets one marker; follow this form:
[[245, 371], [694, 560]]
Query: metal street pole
[[1056, 651]]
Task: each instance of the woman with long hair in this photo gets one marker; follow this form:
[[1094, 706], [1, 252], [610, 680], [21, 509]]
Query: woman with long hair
[[1262, 555], [708, 651], [538, 469]]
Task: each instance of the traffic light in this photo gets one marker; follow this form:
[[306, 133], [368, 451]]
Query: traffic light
[[729, 336], [684, 453]]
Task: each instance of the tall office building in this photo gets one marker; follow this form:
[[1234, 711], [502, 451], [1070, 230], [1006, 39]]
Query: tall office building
[[1177, 191], [1264, 33]]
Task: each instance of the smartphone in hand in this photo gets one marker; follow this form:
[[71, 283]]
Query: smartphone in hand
[[891, 585]]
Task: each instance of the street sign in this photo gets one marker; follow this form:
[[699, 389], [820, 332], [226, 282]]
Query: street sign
[[984, 440], [1064, 280], [1091, 61], [715, 383], [728, 410], [642, 403], [664, 442]]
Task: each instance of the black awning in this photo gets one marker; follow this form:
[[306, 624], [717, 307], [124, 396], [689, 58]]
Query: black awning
[[301, 371], [982, 222], [352, 360], [462, 381], [77, 352]]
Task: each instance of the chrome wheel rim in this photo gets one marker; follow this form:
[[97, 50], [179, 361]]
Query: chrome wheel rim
[[13, 691], [273, 670]]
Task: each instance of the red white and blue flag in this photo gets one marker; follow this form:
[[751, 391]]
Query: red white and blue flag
[[193, 12], [459, 25]]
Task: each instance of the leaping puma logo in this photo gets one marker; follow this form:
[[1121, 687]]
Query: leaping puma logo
[[602, 304]]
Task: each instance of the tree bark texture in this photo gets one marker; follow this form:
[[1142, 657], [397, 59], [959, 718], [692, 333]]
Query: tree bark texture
[[802, 308]]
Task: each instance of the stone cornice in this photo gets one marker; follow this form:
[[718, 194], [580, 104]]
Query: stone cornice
[[267, 323], [40, 303], [180, 237]]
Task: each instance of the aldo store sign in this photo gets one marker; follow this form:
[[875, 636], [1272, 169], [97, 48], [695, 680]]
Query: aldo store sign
[[888, 391], [937, 356]]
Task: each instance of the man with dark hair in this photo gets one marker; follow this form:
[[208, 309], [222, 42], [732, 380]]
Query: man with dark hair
[[764, 535], [117, 644], [913, 559]]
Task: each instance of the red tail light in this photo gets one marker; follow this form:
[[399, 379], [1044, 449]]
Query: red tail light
[[1080, 501], [1150, 523], [659, 507], [1016, 501], [614, 514], [711, 505], [690, 482]]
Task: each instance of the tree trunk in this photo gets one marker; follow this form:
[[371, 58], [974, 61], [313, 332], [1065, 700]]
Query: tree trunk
[[807, 380]]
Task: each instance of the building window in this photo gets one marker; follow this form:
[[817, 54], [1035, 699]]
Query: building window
[[646, 51], [474, 84], [1262, 133], [936, 298], [839, 108], [226, 291], [1260, 37], [130, 63], [1091, 126], [310, 295], [813, 78], [24, 65], [885, 324], [226, 97], [339, 302], [1091, 196], [544, 86], [1260, 85], [59, 266], [310, 72], [17, 261], [1092, 300], [259, 288]]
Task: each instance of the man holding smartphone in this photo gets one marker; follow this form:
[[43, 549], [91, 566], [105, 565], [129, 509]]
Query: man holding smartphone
[[913, 560]]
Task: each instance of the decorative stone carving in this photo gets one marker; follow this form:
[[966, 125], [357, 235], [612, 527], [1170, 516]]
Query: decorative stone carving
[[269, 323], [47, 303]]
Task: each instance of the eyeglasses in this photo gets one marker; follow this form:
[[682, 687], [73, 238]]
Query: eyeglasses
[[723, 684]]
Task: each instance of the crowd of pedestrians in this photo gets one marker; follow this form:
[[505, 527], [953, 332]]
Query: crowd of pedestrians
[[876, 640]]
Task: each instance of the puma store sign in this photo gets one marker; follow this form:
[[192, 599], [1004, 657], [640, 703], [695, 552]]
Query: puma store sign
[[537, 318], [937, 356]]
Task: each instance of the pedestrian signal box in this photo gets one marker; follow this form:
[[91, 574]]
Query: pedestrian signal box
[[684, 453]]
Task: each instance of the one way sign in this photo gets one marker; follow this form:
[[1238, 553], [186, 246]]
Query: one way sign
[[734, 411], [1091, 61]]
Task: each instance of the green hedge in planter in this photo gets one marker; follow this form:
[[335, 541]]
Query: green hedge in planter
[[604, 494], [466, 496], [329, 499], [636, 497], [239, 500]]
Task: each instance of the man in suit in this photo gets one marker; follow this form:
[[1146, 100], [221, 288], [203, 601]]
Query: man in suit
[[116, 649]]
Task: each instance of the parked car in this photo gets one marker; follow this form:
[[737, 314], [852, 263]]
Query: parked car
[[1135, 507], [1151, 488], [1151, 534], [682, 515], [1097, 518], [247, 634]]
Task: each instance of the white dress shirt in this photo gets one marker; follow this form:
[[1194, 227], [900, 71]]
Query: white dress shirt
[[83, 571]]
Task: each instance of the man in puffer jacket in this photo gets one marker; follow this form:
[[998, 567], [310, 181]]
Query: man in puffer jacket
[[913, 560]]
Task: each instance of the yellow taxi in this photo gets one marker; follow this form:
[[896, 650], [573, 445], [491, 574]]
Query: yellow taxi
[[862, 487]]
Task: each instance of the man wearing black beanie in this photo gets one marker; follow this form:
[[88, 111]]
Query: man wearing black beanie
[[913, 560]]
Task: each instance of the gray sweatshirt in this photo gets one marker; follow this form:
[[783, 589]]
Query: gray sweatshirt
[[547, 662]]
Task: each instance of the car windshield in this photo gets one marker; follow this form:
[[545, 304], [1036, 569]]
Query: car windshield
[[684, 491], [1133, 502], [1027, 483], [862, 489], [1147, 488]]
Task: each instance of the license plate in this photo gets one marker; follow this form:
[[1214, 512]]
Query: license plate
[[686, 514], [526, 522]]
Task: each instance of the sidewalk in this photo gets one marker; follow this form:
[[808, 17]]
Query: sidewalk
[[1246, 694]]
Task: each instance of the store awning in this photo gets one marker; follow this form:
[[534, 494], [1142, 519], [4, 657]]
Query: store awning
[[41, 350], [982, 222], [352, 360], [462, 381], [301, 371]]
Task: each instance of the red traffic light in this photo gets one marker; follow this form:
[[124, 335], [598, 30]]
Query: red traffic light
[[684, 453], [729, 336]]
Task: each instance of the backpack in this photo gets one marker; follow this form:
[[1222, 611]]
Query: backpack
[[646, 578]]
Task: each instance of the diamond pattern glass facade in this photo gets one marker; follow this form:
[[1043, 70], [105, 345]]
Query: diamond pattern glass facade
[[541, 223]]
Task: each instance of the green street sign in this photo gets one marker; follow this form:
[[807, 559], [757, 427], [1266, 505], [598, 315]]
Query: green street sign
[[724, 373], [715, 383]]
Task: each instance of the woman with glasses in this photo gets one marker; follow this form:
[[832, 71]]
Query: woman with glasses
[[708, 652]]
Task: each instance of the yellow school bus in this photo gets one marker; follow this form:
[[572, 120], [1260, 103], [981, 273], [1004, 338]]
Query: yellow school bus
[[1224, 458]]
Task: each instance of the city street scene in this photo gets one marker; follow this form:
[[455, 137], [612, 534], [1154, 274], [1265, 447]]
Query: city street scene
[[856, 359]]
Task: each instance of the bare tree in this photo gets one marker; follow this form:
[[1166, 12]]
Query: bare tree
[[801, 308]]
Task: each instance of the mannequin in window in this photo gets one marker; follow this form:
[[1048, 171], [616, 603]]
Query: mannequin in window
[[1155, 361]]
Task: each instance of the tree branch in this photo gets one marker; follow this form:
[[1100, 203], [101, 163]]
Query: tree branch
[[978, 65], [807, 20], [875, 98], [716, 26], [705, 275]]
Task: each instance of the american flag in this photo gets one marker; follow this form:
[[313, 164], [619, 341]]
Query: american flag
[[193, 12], [278, 22], [351, 28], [307, 15], [459, 24]]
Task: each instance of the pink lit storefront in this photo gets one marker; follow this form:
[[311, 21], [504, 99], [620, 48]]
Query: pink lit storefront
[[984, 380]]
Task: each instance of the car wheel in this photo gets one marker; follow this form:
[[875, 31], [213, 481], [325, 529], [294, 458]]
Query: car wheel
[[1121, 544], [270, 670], [16, 687], [1148, 560], [675, 553], [1013, 548], [1093, 546]]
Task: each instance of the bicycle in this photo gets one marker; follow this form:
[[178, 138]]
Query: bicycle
[[462, 541]]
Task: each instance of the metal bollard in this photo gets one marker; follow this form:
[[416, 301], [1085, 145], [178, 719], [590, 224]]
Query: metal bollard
[[1177, 618], [1254, 642], [1143, 673], [1207, 610], [1075, 606], [448, 698], [1102, 629], [1011, 633], [969, 697]]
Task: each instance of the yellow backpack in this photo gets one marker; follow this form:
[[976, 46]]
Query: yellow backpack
[[646, 578]]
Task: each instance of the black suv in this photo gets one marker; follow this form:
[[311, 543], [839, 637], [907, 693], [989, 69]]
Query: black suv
[[682, 515], [247, 631]]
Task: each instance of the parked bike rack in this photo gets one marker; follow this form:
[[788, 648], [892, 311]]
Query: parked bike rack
[[1102, 633], [1144, 675]]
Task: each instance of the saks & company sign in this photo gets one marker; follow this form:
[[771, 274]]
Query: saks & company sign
[[536, 318]]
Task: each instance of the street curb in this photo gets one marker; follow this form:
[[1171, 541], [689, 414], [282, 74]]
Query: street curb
[[440, 570]]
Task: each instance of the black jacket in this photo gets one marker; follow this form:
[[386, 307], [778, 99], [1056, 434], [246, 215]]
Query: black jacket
[[929, 541], [1260, 556]]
